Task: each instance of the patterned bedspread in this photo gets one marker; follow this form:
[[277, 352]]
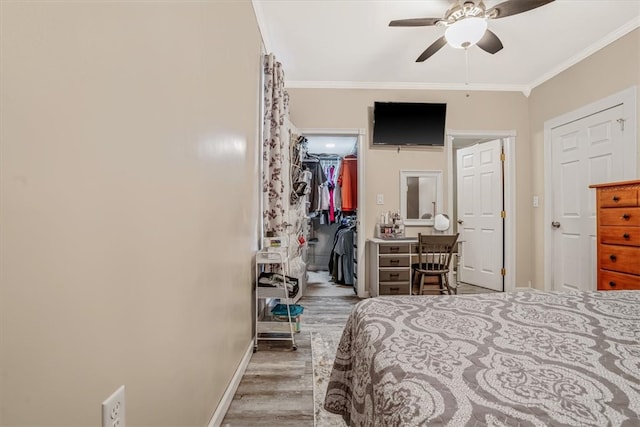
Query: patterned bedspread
[[517, 359]]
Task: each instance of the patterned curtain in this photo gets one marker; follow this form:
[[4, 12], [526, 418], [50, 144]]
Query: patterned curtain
[[275, 149]]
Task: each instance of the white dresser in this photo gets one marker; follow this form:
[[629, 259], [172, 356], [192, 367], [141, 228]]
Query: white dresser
[[390, 265]]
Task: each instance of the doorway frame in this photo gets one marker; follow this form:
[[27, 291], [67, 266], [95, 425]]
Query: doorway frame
[[509, 139], [361, 289], [626, 97]]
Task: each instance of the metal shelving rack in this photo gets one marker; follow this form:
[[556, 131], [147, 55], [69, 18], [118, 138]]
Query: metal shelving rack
[[273, 330]]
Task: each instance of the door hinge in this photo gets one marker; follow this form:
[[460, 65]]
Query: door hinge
[[503, 271], [621, 122], [502, 157], [503, 214]]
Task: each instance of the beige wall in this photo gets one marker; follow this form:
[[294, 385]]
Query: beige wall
[[128, 207], [481, 111], [608, 71]]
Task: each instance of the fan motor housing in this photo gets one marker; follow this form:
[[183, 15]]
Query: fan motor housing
[[467, 9]]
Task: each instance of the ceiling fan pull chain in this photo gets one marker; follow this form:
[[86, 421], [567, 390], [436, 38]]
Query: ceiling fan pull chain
[[466, 68]]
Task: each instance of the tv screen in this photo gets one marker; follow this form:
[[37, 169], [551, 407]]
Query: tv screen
[[409, 123]]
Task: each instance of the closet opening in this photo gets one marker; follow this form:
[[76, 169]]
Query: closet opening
[[332, 248]]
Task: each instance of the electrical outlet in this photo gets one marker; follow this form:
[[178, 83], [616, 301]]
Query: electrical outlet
[[113, 409]]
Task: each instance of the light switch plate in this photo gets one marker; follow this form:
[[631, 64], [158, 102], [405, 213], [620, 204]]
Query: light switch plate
[[380, 199]]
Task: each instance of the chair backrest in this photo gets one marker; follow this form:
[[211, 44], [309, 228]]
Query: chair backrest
[[435, 251]]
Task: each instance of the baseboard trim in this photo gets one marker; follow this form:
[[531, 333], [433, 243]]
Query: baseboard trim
[[525, 288], [227, 397]]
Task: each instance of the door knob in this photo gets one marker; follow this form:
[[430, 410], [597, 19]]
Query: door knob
[[460, 221], [555, 224]]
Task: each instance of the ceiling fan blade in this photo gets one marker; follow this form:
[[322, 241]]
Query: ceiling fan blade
[[435, 46], [513, 7], [490, 42], [414, 22]]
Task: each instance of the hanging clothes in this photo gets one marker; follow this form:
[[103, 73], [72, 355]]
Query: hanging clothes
[[324, 197], [327, 206], [348, 182], [332, 186], [341, 265], [337, 196], [318, 178]]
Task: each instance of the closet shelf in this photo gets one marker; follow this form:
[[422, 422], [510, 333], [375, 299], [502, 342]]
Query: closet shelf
[[268, 292]]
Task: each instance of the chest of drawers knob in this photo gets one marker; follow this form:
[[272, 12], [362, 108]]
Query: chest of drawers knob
[[616, 199], [613, 257], [626, 236], [626, 216]]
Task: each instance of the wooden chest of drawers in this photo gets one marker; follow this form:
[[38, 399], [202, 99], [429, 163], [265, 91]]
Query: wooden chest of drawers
[[618, 210]]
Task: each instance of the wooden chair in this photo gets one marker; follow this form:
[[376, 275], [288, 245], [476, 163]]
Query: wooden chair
[[431, 272]]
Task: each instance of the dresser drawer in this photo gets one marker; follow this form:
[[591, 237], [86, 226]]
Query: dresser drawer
[[615, 198], [394, 288], [394, 261], [628, 236], [620, 216], [393, 275], [609, 281], [394, 249], [623, 259]]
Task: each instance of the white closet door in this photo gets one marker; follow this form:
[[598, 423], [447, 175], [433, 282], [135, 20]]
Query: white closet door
[[583, 152]]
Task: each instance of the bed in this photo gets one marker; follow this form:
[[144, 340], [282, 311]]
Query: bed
[[503, 359]]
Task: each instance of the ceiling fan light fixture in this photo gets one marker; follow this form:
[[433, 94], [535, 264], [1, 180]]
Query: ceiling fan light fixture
[[465, 32]]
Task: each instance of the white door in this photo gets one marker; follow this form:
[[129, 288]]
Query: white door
[[480, 204], [583, 152]]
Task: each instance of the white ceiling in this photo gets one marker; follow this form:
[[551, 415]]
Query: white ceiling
[[348, 43], [330, 144]]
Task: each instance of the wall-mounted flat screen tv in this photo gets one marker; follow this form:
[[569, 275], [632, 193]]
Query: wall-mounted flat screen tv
[[409, 123]]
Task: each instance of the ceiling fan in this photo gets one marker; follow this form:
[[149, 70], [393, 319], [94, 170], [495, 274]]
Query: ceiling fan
[[467, 22]]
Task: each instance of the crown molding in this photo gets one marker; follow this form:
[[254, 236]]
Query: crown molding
[[605, 41], [292, 84]]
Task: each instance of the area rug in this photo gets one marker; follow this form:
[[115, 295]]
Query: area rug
[[323, 350]]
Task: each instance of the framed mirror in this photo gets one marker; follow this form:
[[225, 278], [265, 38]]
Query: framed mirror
[[420, 196]]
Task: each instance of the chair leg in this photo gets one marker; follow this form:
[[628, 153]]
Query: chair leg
[[454, 288], [421, 284], [446, 283]]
